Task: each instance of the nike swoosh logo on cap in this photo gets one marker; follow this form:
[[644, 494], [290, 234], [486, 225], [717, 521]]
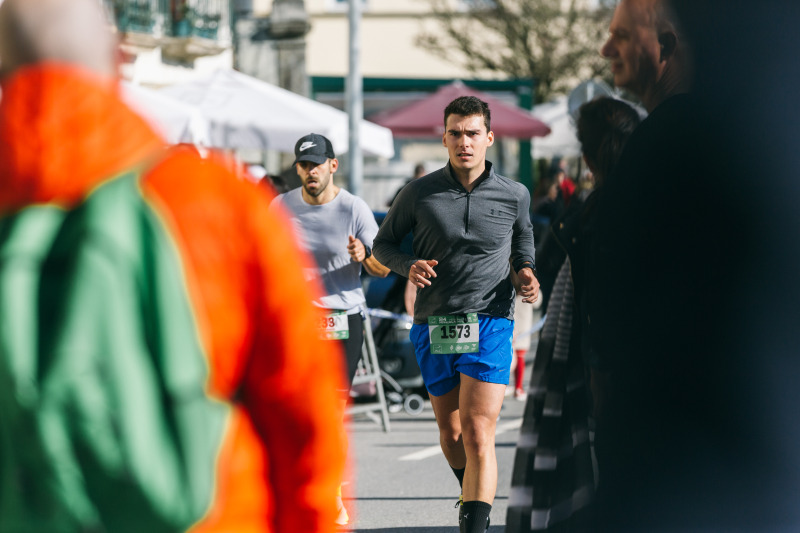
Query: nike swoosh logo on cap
[[306, 145]]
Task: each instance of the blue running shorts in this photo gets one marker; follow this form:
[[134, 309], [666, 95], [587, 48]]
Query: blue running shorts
[[491, 363]]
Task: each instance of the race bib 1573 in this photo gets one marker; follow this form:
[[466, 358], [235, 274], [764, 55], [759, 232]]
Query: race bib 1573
[[454, 333]]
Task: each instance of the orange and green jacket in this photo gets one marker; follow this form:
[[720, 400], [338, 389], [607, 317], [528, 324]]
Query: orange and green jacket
[[63, 134]]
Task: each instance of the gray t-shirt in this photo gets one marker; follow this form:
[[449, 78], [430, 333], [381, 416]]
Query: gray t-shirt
[[472, 235], [323, 230]]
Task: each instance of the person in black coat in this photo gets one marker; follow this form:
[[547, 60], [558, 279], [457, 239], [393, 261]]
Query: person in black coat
[[692, 292], [562, 489]]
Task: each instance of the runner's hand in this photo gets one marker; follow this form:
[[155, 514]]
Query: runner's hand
[[529, 285], [356, 249], [420, 273]]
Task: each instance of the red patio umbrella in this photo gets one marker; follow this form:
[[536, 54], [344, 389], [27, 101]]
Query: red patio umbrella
[[425, 117]]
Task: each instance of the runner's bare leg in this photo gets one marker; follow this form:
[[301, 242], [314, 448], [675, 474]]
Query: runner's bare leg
[[445, 408], [480, 404]]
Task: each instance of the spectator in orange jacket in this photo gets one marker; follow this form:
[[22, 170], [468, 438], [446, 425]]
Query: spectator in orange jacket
[[63, 132]]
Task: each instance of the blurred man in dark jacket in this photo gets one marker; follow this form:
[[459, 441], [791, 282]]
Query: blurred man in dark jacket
[[675, 443]]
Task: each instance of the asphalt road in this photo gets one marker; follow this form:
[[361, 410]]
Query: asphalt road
[[402, 482]]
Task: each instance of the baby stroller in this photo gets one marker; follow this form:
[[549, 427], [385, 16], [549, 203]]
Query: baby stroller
[[401, 377]]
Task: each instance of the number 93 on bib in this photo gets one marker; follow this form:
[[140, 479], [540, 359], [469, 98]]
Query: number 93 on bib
[[454, 333]]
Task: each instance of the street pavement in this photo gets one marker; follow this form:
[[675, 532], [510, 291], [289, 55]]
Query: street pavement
[[401, 481]]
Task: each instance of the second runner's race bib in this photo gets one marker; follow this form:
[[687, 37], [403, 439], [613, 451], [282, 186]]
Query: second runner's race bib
[[454, 333], [334, 326]]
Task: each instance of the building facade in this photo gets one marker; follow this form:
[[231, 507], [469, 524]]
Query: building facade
[[168, 41]]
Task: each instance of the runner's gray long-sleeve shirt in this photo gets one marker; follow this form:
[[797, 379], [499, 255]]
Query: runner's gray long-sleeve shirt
[[471, 234]]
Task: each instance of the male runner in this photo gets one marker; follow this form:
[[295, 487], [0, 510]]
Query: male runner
[[338, 229], [467, 222]]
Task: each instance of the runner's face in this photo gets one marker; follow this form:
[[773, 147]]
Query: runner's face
[[316, 178], [466, 140]]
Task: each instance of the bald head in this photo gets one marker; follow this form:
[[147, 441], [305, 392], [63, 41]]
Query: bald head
[[64, 31]]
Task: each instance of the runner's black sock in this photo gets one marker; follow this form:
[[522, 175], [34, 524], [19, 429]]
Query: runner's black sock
[[476, 517], [459, 472]]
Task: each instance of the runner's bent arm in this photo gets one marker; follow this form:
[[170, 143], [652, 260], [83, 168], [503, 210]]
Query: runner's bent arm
[[522, 250], [398, 223], [359, 245], [522, 245], [358, 253], [375, 268]]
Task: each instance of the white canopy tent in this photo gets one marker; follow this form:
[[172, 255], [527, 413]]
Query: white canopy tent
[[562, 141], [176, 122], [244, 112]]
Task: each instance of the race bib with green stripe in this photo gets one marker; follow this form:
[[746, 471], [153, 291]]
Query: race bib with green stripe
[[454, 333], [334, 326]]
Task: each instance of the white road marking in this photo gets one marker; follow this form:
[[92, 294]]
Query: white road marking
[[430, 451]]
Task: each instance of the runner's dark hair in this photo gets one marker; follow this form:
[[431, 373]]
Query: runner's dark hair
[[466, 106]]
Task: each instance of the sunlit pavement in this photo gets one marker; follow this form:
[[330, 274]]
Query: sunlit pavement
[[402, 481]]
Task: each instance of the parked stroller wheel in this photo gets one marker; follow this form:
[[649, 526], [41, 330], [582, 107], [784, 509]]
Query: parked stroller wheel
[[413, 404], [394, 401]]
